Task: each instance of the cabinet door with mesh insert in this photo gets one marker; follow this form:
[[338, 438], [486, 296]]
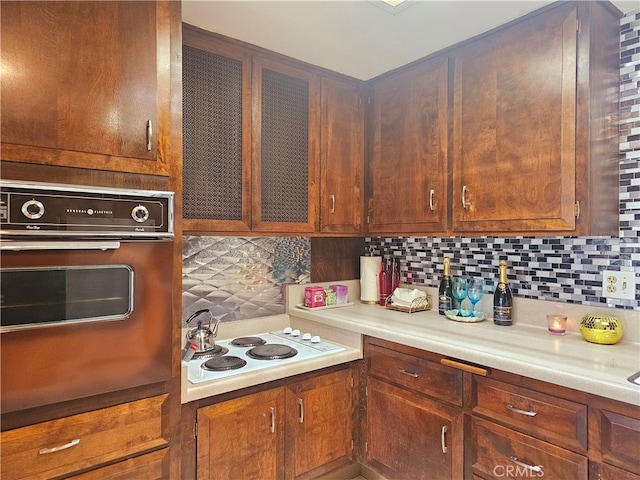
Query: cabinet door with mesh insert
[[285, 153], [216, 135]]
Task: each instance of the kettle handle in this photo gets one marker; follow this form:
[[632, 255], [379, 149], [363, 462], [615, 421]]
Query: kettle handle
[[194, 315]]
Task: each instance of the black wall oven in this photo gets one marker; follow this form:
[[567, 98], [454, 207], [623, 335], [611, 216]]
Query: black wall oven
[[85, 291]]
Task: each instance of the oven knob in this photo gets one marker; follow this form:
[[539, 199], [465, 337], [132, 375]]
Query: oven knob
[[306, 336], [140, 213], [33, 209], [295, 333], [287, 330], [315, 339]]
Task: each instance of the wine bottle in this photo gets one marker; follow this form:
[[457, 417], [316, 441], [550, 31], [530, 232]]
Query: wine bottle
[[395, 275], [503, 299], [445, 292], [384, 284]]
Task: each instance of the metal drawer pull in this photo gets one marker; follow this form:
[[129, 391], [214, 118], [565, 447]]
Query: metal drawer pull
[[431, 194], [528, 413], [72, 443], [533, 468], [464, 197], [414, 375], [333, 204], [301, 416], [443, 442], [149, 134], [272, 411]]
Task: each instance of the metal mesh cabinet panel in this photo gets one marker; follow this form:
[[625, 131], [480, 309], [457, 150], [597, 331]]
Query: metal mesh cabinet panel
[[285, 148], [212, 135]]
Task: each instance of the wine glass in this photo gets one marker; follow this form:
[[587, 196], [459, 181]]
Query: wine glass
[[460, 291], [475, 292]]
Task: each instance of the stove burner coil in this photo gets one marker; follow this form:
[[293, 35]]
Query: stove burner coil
[[220, 364], [272, 351], [248, 341], [216, 351]]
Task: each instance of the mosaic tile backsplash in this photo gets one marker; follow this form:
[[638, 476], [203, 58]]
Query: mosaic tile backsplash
[[239, 277], [566, 269]]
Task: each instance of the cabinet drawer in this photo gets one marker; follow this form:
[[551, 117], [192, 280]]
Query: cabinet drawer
[[620, 440], [415, 373], [73, 443], [543, 416], [499, 452], [151, 466]]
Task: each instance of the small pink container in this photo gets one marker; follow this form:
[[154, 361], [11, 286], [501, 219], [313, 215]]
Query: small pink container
[[313, 297], [341, 293]]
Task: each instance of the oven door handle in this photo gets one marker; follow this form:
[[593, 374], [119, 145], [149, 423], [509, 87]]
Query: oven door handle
[[17, 245]]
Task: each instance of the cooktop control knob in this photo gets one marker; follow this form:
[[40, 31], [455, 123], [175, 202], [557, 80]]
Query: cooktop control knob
[[315, 339], [306, 336], [295, 333], [140, 213], [287, 331], [33, 209]]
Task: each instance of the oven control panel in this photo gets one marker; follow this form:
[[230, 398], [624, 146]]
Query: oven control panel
[[57, 211]]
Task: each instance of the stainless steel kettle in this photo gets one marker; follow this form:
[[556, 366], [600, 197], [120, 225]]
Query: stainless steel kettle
[[202, 336]]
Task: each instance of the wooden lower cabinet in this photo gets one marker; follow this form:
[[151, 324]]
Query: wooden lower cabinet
[[78, 443], [242, 438], [499, 452], [410, 436], [302, 430], [151, 466]]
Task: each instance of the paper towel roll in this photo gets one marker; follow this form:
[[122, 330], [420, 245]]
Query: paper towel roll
[[369, 269]]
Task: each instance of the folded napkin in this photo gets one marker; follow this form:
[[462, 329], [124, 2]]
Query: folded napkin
[[404, 297]]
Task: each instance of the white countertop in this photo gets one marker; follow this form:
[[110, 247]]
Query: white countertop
[[352, 351], [524, 348]]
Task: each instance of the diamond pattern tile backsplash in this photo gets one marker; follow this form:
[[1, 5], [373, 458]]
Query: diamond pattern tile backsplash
[[238, 277]]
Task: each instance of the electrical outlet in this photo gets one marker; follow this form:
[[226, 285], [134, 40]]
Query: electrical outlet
[[621, 285]]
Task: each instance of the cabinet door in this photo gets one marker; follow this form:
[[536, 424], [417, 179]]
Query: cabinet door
[[285, 153], [411, 437], [514, 137], [620, 438], [242, 438], [342, 158], [408, 166], [216, 135], [319, 425], [86, 84]]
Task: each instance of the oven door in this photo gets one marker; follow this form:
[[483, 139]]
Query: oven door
[[81, 322]]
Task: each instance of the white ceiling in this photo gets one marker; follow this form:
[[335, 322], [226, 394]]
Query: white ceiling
[[358, 38]]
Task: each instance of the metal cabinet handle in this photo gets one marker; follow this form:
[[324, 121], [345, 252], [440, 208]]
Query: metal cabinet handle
[[414, 375], [464, 197], [272, 411], [443, 441], [301, 415], [431, 194], [149, 135], [533, 468], [333, 204], [528, 413], [72, 443]]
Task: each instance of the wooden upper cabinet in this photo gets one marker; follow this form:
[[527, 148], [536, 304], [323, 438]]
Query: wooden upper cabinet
[[216, 96], [87, 84], [409, 154], [530, 104], [341, 158], [286, 150]]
